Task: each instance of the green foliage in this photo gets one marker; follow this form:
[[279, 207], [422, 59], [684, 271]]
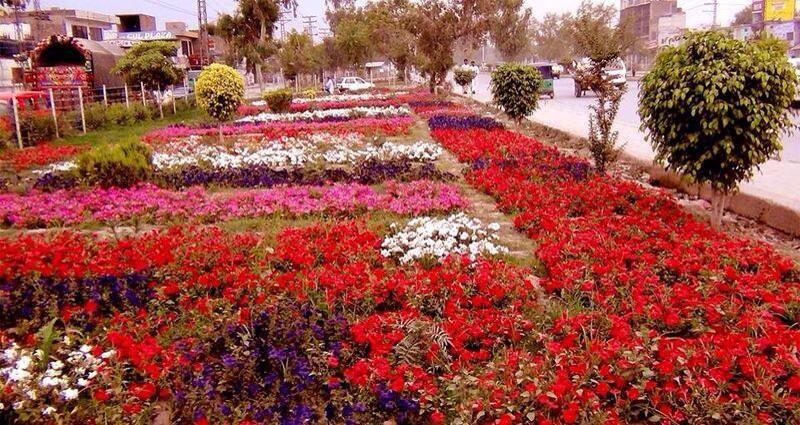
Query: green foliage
[[150, 63], [596, 33], [220, 91], [352, 42], [715, 107], [96, 116], [141, 113], [116, 165], [279, 101], [551, 37], [36, 127], [464, 77], [515, 88], [119, 114], [298, 55]]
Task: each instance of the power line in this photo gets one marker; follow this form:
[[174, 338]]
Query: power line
[[170, 7]]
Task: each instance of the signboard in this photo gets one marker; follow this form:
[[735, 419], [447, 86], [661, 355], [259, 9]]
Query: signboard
[[778, 10], [146, 36], [58, 77]]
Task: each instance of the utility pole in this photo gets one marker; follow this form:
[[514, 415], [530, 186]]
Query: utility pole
[[310, 22], [716, 6], [285, 18], [202, 22]]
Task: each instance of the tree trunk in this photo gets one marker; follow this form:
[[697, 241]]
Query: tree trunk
[[432, 82], [260, 79], [718, 200]]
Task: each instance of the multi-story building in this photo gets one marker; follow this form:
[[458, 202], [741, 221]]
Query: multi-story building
[[40, 24], [645, 19]]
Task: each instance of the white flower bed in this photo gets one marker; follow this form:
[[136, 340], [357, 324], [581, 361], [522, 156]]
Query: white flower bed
[[439, 237], [287, 152], [387, 111], [34, 380], [347, 97]]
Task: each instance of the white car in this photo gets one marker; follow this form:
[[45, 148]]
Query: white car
[[795, 62], [616, 73], [352, 84]]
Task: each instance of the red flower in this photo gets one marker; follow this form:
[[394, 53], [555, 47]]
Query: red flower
[[100, 395], [142, 391]]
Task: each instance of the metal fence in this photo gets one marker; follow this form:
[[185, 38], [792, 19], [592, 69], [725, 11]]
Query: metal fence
[[71, 106]]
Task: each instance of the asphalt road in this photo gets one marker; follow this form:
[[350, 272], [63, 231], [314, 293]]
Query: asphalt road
[[567, 106]]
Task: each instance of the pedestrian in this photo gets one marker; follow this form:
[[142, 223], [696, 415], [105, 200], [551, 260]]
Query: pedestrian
[[465, 68], [329, 86], [475, 70]]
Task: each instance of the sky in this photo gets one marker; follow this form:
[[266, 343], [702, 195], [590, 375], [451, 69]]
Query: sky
[[697, 12]]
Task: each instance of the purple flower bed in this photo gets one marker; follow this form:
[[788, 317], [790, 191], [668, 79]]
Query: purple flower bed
[[468, 122]]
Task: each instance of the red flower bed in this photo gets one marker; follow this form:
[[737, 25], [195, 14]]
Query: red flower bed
[[661, 318], [20, 159]]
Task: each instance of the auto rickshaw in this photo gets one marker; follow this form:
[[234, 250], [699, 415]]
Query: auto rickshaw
[[546, 69]]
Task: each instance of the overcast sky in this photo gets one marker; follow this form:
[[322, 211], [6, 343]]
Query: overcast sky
[[185, 10]]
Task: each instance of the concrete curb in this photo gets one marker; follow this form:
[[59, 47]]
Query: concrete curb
[[753, 206]]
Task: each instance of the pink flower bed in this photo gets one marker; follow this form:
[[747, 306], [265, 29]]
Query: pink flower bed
[[151, 204]]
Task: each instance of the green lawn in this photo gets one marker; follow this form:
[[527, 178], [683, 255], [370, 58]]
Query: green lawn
[[133, 132]]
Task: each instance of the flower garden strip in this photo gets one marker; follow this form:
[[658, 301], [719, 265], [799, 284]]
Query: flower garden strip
[[642, 314], [329, 114], [661, 318], [150, 204], [20, 159]]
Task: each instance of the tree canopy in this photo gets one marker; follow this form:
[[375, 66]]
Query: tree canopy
[[150, 63]]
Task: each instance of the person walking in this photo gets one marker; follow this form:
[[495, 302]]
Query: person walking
[[329, 86], [475, 70], [465, 67]]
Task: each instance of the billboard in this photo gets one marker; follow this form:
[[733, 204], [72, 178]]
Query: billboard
[[778, 10]]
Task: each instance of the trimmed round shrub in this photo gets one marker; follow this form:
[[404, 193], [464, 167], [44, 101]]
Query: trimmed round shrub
[[714, 108], [515, 89], [119, 165], [279, 101], [220, 91]]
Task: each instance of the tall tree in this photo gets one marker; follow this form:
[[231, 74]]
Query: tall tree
[[744, 16], [352, 41], [249, 32], [551, 37], [298, 55], [441, 24], [510, 29], [390, 31]]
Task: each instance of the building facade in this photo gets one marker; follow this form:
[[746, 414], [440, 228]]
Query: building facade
[[655, 23]]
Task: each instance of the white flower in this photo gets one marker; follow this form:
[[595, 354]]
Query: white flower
[[69, 394], [49, 410], [56, 365], [440, 237]]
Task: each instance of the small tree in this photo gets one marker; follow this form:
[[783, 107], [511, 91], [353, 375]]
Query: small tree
[[464, 77], [150, 63], [596, 35], [515, 88], [714, 108], [220, 91]]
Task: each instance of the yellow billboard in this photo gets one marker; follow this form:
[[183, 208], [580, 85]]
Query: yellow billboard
[[778, 10]]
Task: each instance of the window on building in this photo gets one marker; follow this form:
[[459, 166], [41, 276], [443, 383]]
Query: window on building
[[80, 31], [186, 48], [96, 34], [790, 36]]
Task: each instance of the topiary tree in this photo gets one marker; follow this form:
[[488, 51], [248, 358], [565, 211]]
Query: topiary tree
[[515, 88], [714, 108], [220, 92], [463, 77]]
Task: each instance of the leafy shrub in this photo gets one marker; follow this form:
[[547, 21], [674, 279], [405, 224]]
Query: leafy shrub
[[141, 113], [36, 127], [279, 101], [119, 114], [7, 137], [120, 165], [515, 88], [715, 108], [464, 77], [96, 116]]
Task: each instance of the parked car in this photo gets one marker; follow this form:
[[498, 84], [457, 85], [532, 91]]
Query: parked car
[[615, 73], [345, 84], [557, 70]]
